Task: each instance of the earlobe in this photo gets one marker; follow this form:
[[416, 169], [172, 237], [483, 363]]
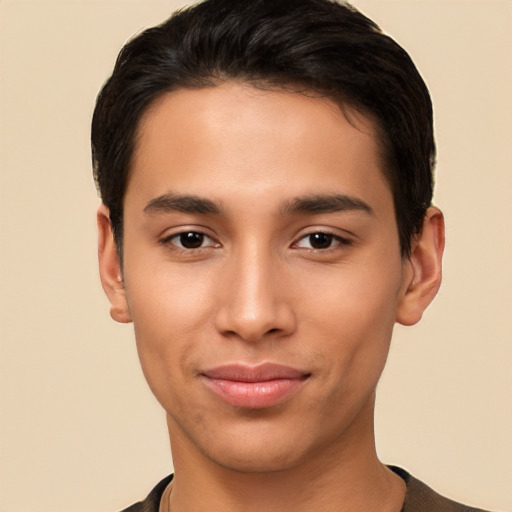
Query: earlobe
[[110, 268], [422, 270]]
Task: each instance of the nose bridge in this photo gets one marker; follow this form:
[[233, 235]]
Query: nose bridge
[[255, 295], [255, 303]]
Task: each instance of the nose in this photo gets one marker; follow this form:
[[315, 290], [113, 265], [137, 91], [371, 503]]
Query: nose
[[255, 303]]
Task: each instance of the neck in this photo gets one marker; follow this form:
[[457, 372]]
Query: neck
[[344, 476]]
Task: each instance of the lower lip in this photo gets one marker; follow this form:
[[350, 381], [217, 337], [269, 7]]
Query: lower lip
[[254, 395]]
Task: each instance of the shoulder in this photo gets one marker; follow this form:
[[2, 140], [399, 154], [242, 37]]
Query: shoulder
[[152, 502], [419, 497]]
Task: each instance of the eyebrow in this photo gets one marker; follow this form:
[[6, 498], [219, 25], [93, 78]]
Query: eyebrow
[[170, 202], [329, 203]]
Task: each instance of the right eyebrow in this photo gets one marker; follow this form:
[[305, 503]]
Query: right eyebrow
[[170, 202]]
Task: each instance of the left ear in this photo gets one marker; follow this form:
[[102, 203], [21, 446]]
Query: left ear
[[422, 270]]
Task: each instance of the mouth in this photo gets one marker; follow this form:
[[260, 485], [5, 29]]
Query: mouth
[[254, 387]]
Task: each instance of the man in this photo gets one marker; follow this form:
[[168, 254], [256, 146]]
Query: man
[[266, 170]]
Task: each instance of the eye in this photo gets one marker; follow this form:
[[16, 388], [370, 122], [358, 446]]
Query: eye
[[321, 241], [189, 240]]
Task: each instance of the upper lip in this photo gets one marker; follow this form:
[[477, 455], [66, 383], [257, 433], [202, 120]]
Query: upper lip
[[241, 372]]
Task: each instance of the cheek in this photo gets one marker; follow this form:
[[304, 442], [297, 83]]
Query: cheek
[[354, 313], [165, 298], [170, 308], [353, 298]]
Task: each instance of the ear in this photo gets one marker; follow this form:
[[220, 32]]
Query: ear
[[422, 270], [110, 268]]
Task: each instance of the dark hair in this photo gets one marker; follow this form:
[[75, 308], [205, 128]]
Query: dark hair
[[307, 45]]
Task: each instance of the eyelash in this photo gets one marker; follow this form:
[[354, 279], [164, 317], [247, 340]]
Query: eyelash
[[168, 241], [340, 241]]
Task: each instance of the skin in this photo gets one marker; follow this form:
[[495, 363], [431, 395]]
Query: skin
[[258, 288]]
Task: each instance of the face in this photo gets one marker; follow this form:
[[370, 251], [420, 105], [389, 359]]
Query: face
[[262, 272]]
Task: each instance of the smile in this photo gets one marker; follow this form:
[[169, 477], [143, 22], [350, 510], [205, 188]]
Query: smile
[[255, 387]]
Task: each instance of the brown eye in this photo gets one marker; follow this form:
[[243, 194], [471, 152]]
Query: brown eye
[[191, 240], [320, 240]]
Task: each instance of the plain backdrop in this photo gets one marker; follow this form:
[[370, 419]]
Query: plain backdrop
[[79, 430]]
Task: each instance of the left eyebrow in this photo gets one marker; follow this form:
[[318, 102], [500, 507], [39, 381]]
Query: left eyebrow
[[168, 203], [325, 204]]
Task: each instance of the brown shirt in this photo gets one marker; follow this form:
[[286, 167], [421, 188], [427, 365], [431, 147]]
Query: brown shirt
[[421, 498], [418, 498]]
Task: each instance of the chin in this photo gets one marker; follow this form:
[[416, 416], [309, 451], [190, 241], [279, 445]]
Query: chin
[[264, 450]]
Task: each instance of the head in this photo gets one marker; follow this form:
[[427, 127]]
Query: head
[[311, 47], [266, 173]]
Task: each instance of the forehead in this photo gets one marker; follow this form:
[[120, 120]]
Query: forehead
[[207, 141]]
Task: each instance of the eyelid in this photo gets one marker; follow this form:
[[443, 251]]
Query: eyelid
[[178, 231], [344, 239]]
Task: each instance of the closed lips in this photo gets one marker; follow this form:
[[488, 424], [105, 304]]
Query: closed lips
[[254, 387]]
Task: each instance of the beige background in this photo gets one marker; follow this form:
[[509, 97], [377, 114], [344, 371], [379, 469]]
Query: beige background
[[79, 430]]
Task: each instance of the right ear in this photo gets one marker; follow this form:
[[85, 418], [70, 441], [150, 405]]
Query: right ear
[[110, 268]]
